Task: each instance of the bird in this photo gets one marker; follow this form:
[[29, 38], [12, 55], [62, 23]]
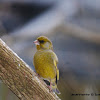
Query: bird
[[45, 62]]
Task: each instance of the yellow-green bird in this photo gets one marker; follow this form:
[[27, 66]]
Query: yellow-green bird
[[45, 62]]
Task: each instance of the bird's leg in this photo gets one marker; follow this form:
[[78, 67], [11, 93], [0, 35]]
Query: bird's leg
[[50, 86], [37, 75]]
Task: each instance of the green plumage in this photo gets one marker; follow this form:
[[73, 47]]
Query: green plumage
[[45, 62]]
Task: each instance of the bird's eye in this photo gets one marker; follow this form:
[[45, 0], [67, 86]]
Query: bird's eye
[[41, 41]]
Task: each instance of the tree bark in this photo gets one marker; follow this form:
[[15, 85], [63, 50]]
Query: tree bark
[[19, 77]]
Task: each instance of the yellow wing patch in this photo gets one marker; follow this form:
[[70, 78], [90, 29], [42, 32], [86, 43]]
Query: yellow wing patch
[[57, 71], [57, 74]]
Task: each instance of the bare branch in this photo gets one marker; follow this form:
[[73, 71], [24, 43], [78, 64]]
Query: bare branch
[[79, 32], [47, 21]]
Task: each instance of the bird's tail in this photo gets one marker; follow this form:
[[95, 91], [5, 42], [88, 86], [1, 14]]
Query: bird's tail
[[55, 89]]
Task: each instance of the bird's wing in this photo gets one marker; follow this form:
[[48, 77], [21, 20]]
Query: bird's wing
[[55, 62], [57, 71]]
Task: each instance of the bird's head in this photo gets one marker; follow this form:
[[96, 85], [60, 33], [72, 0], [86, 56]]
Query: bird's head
[[43, 42]]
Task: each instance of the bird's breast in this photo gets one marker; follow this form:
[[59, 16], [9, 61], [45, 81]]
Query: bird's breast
[[43, 63]]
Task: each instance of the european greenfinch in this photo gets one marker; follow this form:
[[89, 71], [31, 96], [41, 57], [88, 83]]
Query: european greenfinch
[[45, 62]]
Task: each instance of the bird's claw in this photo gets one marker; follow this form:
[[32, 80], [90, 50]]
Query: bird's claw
[[37, 75], [50, 88]]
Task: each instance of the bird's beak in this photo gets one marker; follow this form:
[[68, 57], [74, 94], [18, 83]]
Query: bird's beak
[[36, 42]]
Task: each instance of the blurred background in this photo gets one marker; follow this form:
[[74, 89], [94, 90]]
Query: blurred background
[[74, 28]]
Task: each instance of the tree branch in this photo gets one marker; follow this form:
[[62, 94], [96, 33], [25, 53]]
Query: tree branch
[[17, 75], [81, 33]]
